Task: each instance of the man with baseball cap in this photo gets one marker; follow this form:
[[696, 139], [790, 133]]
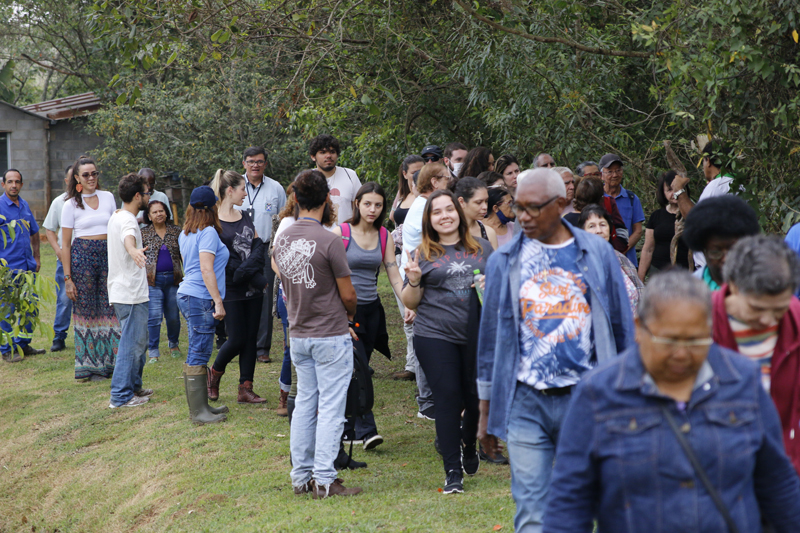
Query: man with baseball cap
[[431, 153], [628, 203]]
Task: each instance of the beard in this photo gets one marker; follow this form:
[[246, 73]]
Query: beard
[[327, 168]]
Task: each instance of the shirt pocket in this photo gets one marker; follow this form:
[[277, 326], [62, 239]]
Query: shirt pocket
[[631, 438], [271, 205], [733, 428]]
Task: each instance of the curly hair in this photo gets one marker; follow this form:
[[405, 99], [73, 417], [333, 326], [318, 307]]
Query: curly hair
[[323, 142], [762, 264], [726, 216]]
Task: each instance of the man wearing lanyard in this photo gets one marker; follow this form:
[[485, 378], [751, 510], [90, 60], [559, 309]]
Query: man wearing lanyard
[[265, 197]]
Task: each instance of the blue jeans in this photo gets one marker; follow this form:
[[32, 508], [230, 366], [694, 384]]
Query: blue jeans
[[534, 424], [163, 302], [286, 367], [200, 322], [25, 334], [63, 306], [132, 352], [324, 366]]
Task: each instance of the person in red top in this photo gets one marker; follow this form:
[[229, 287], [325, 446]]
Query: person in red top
[[756, 313]]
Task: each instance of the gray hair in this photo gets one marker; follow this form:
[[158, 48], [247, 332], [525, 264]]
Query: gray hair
[[536, 159], [762, 264], [562, 170], [580, 167], [672, 286], [543, 177]]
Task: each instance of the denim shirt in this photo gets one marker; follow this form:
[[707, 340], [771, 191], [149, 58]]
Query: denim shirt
[[498, 341], [619, 462]]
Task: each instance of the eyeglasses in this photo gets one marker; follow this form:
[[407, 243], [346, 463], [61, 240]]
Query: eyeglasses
[[87, 175], [674, 344], [716, 254], [592, 174], [430, 158], [255, 163], [548, 165], [532, 210], [609, 171]]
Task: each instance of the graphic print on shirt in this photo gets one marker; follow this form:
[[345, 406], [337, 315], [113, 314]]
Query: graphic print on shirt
[[294, 260], [242, 242], [555, 317]]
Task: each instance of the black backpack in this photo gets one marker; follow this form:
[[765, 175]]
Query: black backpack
[[360, 395]]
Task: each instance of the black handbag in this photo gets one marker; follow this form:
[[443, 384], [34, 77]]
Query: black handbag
[[698, 468]]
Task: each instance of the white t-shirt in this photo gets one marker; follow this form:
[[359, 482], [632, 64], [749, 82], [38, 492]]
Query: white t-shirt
[[127, 283], [344, 185], [719, 186], [52, 221], [87, 221], [412, 231], [286, 222]]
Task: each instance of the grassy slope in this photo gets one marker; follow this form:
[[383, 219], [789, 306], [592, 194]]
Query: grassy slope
[[68, 463]]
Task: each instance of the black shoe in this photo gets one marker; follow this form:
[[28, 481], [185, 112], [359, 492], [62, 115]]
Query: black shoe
[[28, 351], [372, 441], [427, 414], [58, 345], [499, 459], [470, 461], [454, 482], [220, 342], [343, 461]]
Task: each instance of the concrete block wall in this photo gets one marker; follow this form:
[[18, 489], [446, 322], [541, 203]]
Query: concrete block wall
[[28, 153], [68, 140]]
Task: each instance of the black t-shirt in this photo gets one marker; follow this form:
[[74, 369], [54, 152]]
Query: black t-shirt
[[662, 222], [238, 238]]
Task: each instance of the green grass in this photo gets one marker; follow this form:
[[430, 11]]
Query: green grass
[[70, 464]]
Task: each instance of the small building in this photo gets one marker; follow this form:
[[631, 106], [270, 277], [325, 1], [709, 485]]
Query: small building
[[42, 140]]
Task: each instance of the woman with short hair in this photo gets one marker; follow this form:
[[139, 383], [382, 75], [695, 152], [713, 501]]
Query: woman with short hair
[[674, 434], [164, 275]]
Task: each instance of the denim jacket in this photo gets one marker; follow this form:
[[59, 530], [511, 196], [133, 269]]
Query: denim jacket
[[498, 341], [619, 462]]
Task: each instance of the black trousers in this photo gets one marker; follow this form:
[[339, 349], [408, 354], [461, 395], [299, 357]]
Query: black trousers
[[264, 338], [241, 324], [450, 369]]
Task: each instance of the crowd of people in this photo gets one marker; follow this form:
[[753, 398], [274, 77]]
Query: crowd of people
[[636, 385]]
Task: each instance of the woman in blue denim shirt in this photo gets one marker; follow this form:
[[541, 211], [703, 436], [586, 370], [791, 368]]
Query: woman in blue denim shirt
[[618, 461]]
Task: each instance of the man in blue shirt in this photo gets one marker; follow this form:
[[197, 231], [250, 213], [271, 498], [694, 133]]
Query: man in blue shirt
[[555, 305], [20, 253], [628, 203]]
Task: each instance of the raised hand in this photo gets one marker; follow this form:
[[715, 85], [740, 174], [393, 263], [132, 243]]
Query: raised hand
[[413, 272]]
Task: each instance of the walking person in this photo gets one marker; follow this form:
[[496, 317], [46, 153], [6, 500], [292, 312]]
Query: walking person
[[164, 275], [200, 298], [659, 235], [320, 300], [439, 287], [128, 293], [84, 229], [52, 226], [245, 284], [368, 246], [555, 305], [630, 207], [473, 197]]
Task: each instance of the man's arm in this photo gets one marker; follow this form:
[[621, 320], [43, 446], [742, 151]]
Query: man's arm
[[35, 247], [685, 203], [635, 235], [52, 239], [348, 295], [137, 254]]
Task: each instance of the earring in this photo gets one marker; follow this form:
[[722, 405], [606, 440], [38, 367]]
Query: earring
[[79, 187]]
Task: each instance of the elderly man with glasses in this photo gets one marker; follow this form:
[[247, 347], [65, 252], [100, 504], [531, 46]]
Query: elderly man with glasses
[[629, 205], [555, 305]]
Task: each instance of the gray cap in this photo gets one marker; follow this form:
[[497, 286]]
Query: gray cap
[[609, 159]]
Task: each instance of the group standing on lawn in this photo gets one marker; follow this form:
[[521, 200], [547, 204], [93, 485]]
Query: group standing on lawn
[[661, 406]]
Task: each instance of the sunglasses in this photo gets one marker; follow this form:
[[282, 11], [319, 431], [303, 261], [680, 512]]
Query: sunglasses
[[430, 158]]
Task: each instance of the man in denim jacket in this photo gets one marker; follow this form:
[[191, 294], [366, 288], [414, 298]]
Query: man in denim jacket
[[555, 305]]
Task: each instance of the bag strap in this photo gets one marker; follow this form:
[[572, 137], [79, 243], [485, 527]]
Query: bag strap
[[698, 468], [384, 237], [345, 234]]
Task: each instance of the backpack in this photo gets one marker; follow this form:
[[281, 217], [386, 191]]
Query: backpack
[[360, 394]]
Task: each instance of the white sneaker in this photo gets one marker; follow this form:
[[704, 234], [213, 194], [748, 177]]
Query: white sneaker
[[372, 442], [136, 401]]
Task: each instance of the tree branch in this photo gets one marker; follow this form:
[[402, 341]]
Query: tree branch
[[51, 67], [540, 39]]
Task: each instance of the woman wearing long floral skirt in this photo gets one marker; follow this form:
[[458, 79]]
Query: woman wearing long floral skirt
[[84, 219]]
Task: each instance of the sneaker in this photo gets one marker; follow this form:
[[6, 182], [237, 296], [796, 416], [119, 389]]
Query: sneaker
[[427, 414], [28, 351], [454, 482], [136, 401], [152, 360], [404, 375], [58, 345], [346, 440], [372, 442], [143, 393], [499, 459], [175, 352], [319, 492], [470, 461]]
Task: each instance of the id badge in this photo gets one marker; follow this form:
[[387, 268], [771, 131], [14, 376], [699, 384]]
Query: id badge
[[251, 212]]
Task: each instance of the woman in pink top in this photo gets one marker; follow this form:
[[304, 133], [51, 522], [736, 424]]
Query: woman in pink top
[[85, 259]]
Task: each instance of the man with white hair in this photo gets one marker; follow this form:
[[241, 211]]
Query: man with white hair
[[568, 311]]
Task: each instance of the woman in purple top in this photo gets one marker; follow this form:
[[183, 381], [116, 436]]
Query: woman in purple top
[[164, 274]]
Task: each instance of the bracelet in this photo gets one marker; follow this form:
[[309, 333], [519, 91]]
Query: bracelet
[[412, 285], [67, 277]]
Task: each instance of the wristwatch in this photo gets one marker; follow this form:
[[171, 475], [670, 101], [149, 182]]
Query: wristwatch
[[677, 193]]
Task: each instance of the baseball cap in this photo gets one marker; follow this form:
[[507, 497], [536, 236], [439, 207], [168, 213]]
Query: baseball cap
[[203, 197], [609, 159], [432, 149]]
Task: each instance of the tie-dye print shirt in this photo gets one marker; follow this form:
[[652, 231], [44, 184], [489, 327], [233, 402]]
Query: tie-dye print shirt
[[555, 330]]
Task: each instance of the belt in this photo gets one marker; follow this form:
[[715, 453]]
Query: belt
[[557, 391]]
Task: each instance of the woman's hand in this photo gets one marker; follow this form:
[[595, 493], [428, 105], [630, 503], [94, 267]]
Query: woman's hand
[[219, 310], [72, 293], [409, 316], [413, 272]]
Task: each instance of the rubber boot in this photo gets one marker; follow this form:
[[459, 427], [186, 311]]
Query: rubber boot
[[196, 379], [216, 410], [213, 383]]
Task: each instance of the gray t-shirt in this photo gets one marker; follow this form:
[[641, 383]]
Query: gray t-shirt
[[443, 312], [364, 264], [310, 260]]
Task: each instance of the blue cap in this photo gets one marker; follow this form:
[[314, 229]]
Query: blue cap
[[203, 197]]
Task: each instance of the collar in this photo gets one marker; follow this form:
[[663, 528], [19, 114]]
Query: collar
[[7, 200], [249, 184], [633, 376], [578, 234], [623, 193]]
